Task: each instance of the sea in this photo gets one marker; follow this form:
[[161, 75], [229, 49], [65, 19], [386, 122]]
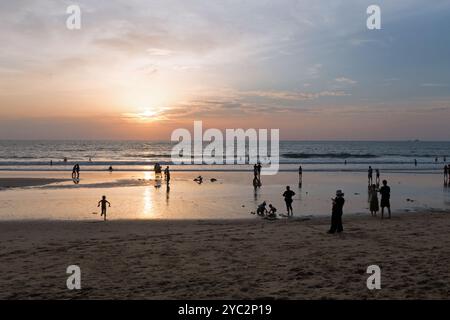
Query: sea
[[39, 155]]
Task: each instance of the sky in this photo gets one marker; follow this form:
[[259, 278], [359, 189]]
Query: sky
[[141, 69]]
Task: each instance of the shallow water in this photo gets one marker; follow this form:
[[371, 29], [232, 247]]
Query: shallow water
[[134, 195]]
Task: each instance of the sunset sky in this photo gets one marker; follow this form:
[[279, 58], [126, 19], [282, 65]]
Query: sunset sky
[[140, 69]]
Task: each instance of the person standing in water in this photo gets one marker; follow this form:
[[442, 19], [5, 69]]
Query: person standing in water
[[370, 175], [385, 202], [415, 162], [103, 203], [336, 213], [288, 194], [300, 176]]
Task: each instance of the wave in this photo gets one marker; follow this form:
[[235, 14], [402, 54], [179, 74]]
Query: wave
[[150, 155], [327, 155]]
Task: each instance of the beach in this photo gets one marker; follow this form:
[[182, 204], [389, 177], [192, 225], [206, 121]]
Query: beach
[[188, 240], [227, 259]]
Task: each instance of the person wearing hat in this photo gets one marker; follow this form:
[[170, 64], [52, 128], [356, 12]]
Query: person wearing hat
[[336, 213]]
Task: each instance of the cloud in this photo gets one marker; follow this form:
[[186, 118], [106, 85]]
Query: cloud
[[159, 52], [436, 85], [345, 80], [294, 96]]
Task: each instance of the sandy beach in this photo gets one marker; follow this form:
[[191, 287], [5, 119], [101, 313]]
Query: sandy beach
[[227, 259]]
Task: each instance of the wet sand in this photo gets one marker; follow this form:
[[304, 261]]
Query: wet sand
[[138, 195], [26, 182], [228, 259]]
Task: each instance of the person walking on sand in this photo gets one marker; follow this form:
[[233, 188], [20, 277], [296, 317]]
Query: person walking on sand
[[78, 170], [300, 176], [373, 200], [370, 175], [377, 177], [336, 213], [385, 202], [103, 203], [288, 194]]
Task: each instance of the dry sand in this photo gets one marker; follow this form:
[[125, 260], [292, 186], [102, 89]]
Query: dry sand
[[247, 259]]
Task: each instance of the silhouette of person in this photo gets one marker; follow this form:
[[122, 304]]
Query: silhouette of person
[[415, 162], [103, 203], [110, 169], [261, 210], [76, 171], [336, 213], [385, 202], [199, 179], [377, 177], [255, 170], [373, 200], [300, 176], [51, 162], [256, 183], [258, 168], [288, 194], [370, 175], [157, 169], [272, 212], [446, 169], [167, 174]]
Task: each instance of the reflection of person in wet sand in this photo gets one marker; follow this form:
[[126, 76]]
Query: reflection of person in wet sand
[[336, 213], [288, 194], [373, 200], [300, 176], [256, 183], [385, 202], [103, 203]]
